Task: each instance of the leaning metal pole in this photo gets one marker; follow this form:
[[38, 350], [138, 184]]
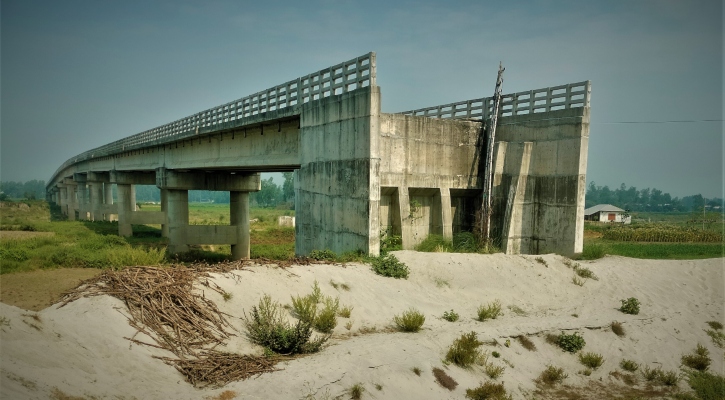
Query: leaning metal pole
[[488, 171]]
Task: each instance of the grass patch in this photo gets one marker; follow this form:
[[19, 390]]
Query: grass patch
[[571, 343], [628, 365], [540, 260], [464, 351], [699, 360], [526, 343], [450, 316], [326, 319], [389, 265], [552, 375], [718, 338], [410, 321], [345, 311], [488, 391], [715, 325], [577, 281], [489, 311], [416, 370], [660, 377], [630, 306], [707, 386], [591, 360], [493, 371], [584, 272], [444, 379], [597, 248], [618, 329], [356, 391]]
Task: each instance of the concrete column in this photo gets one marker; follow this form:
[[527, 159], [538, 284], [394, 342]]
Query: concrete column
[[164, 208], [239, 217], [177, 216], [446, 215], [406, 232], [108, 198], [96, 191], [72, 202], [82, 201], [126, 205], [63, 197]]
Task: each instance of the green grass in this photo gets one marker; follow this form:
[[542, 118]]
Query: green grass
[[410, 321], [464, 350], [597, 248], [463, 242]]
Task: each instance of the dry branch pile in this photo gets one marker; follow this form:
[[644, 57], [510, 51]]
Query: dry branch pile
[[162, 304]]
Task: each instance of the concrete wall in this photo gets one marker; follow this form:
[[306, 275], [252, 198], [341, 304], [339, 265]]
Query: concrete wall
[[337, 192], [540, 181]]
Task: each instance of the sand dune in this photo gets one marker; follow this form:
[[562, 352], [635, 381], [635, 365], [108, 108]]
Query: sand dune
[[80, 349]]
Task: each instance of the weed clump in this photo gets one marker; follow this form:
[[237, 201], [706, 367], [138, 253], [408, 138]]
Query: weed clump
[[494, 371], [718, 338], [527, 343], [323, 255], [450, 316], [389, 265], [584, 272], [266, 326], [660, 377], [489, 311], [628, 365], [577, 281], [488, 391], [630, 306], [715, 325], [552, 375], [699, 361], [617, 328], [325, 321], [591, 360], [345, 311], [444, 379], [464, 350], [707, 386], [356, 391], [571, 343], [540, 260], [410, 321], [416, 370]]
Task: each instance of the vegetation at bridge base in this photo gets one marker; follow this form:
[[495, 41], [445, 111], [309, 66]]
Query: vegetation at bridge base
[[463, 242], [598, 248]]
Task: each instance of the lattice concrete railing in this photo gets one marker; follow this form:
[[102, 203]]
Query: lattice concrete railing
[[341, 78], [533, 101]]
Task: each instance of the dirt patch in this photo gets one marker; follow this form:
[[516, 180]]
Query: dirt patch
[[592, 234], [22, 235], [36, 290]]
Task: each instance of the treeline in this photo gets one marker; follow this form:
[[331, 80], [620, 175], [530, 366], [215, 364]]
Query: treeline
[[31, 190], [654, 200], [271, 194]]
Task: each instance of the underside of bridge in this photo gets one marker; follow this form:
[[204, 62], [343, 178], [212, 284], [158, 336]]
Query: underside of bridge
[[359, 173]]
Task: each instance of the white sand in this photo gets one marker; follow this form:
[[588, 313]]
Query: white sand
[[80, 349]]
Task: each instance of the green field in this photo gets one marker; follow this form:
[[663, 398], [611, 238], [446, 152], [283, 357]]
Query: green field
[[597, 248]]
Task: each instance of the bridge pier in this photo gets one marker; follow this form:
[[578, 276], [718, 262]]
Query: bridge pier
[[177, 215], [82, 192], [71, 188], [107, 200], [126, 208], [239, 218]]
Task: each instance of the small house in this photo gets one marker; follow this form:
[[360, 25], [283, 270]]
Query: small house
[[607, 213]]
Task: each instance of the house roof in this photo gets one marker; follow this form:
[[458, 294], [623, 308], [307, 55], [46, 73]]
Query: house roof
[[602, 207]]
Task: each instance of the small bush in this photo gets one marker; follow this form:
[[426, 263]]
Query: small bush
[[541, 261], [450, 316], [591, 360], [618, 329], [416, 370], [552, 339], [585, 272], [651, 374], [628, 365], [707, 386], [715, 325], [464, 350], [444, 379], [325, 321], [494, 371], [488, 391], [356, 391], [409, 321], [304, 308], [489, 311], [266, 326], [660, 377], [718, 338], [669, 378], [552, 375], [593, 252], [323, 255], [345, 311], [630, 306], [571, 343], [577, 281], [435, 244], [389, 265], [527, 343], [699, 361], [495, 354]]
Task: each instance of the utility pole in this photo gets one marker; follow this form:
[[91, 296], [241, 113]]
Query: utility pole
[[485, 222]]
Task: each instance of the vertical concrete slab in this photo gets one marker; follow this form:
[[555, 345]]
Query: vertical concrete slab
[[126, 206], [177, 217], [446, 213], [107, 199], [96, 194], [164, 209], [239, 218]]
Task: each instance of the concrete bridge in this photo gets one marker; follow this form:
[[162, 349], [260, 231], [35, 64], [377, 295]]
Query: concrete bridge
[[358, 172]]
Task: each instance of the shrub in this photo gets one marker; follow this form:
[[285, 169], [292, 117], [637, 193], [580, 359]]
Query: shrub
[[267, 326], [585, 272], [669, 378], [571, 343], [416, 370], [322, 255], [628, 365], [552, 375], [495, 354], [715, 325], [494, 371], [630, 306], [325, 321], [435, 244], [444, 379], [593, 251], [718, 338], [707, 386], [409, 321], [450, 316], [390, 242], [389, 265], [699, 361], [552, 339], [488, 390], [660, 377], [304, 308], [527, 343], [345, 311], [356, 391], [465, 242], [651, 374], [575, 280], [464, 350], [617, 328], [489, 311], [540, 260], [591, 360]]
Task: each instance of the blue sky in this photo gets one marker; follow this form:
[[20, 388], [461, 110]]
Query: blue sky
[[78, 74]]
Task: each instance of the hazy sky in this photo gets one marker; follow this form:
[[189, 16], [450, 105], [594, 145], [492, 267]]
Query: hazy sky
[[79, 74]]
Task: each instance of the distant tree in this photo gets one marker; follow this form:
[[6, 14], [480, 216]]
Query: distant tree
[[288, 187], [269, 196]]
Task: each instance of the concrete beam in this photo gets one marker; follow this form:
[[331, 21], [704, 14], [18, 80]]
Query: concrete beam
[[97, 176], [197, 180], [132, 178]]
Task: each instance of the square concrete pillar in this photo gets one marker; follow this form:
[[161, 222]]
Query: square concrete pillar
[[72, 202], [96, 192], [406, 231], [126, 205], [107, 198], [164, 209], [177, 216], [83, 201], [239, 218], [446, 217]]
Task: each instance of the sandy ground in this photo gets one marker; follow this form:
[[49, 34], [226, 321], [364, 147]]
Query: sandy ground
[[80, 349], [36, 290]]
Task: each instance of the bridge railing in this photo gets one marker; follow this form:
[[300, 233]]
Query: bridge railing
[[337, 79], [554, 98]]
